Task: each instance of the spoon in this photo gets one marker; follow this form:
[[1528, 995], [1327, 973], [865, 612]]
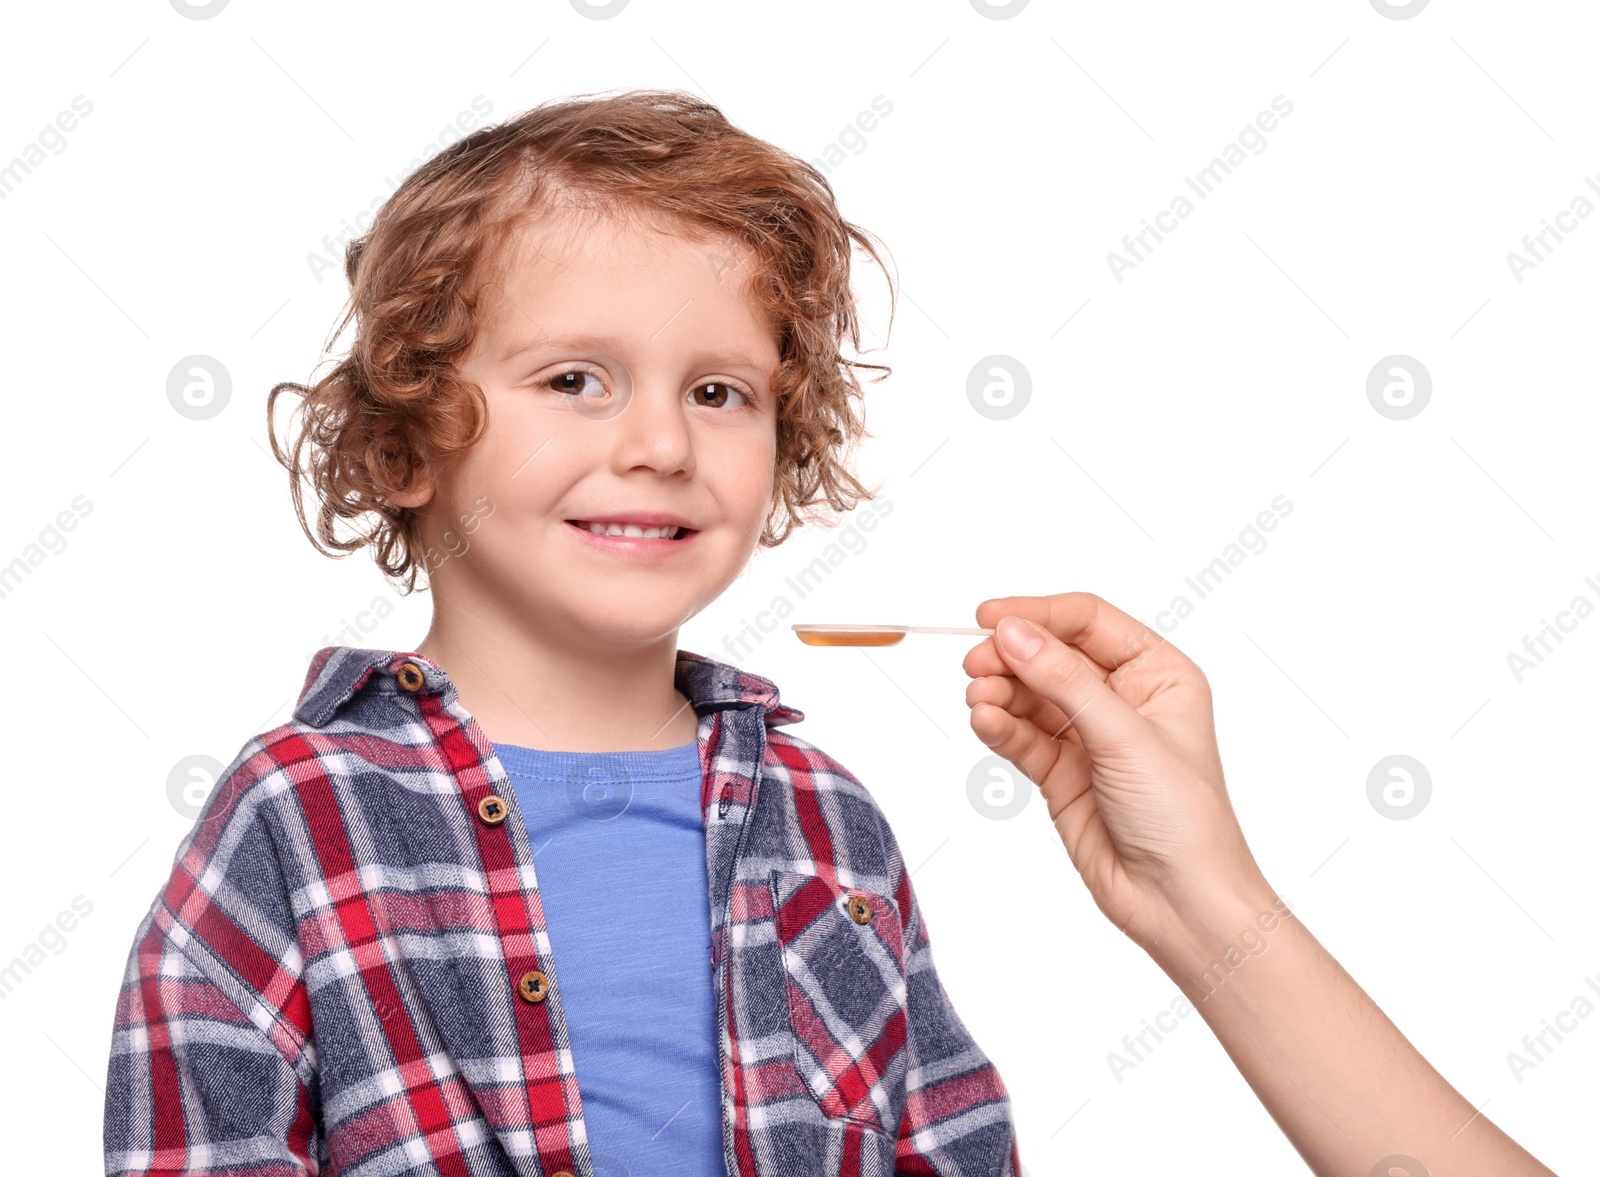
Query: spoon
[[872, 635]]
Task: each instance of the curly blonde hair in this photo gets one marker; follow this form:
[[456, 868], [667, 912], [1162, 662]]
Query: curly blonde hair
[[397, 408]]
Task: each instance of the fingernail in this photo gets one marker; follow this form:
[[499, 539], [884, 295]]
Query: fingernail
[[1019, 637]]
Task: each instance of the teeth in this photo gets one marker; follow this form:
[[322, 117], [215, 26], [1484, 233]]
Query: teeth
[[632, 530]]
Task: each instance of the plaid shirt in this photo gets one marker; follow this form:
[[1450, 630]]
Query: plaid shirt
[[348, 969]]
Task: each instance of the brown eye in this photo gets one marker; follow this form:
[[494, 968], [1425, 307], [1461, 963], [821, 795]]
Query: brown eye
[[573, 380], [719, 394]]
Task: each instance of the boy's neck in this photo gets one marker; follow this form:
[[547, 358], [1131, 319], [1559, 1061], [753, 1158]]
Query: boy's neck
[[558, 697]]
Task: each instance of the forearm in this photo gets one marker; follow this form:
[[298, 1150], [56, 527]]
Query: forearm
[[1136, 791], [1339, 1078]]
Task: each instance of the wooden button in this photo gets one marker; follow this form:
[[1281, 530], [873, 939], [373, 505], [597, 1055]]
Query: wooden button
[[561, 1173], [492, 810], [532, 986], [860, 909], [410, 677]]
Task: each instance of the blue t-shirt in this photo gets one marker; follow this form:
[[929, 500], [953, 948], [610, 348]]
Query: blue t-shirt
[[619, 851]]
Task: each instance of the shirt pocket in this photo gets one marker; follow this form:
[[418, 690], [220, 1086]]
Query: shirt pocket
[[844, 970]]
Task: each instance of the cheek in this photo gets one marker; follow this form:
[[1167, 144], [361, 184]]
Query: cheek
[[741, 476], [764, 472], [524, 458], [770, 460]]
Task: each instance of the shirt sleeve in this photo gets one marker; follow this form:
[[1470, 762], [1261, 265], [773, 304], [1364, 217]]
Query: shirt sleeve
[[212, 1069], [957, 1120]]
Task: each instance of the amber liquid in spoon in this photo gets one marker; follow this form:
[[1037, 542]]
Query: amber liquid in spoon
[[851, 637], [871, 635]]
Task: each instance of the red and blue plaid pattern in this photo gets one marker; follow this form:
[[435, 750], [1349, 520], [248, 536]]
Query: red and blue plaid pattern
[[847, 996], [329, 981]]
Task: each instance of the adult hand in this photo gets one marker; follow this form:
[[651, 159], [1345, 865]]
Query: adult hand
[[1113, 724]]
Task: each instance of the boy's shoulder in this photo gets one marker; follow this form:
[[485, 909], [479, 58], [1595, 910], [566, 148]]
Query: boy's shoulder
[[268, 775], [811, 767], [818, 795]]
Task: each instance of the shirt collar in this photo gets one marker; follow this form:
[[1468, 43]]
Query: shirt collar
[[338, 672]]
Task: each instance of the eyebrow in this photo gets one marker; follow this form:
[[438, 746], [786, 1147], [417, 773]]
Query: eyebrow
[[731, 357], [608, 345], [572, 343]]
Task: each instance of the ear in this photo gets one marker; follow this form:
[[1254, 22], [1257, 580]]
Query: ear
[[418, 496]]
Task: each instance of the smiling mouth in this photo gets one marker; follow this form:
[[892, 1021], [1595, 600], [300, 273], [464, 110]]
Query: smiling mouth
[[630, 530]]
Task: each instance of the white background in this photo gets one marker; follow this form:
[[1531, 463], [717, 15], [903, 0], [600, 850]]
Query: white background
[[1228, 368]]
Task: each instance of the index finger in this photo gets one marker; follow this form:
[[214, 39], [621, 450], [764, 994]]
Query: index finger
[[1095, 626], [983, 660]]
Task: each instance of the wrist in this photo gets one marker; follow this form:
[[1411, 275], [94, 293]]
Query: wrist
[[1213, 926]]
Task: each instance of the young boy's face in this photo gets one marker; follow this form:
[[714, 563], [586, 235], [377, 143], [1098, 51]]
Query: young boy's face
[[628, 381]]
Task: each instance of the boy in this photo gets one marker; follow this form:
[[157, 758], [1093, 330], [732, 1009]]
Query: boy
[[596, 359]]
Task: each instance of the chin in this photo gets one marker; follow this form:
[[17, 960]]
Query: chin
[[624, 627]]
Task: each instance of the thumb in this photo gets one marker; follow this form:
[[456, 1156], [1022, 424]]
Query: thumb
[[1062, 674]]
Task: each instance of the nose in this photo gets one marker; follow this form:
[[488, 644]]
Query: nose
[[654, 430]]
